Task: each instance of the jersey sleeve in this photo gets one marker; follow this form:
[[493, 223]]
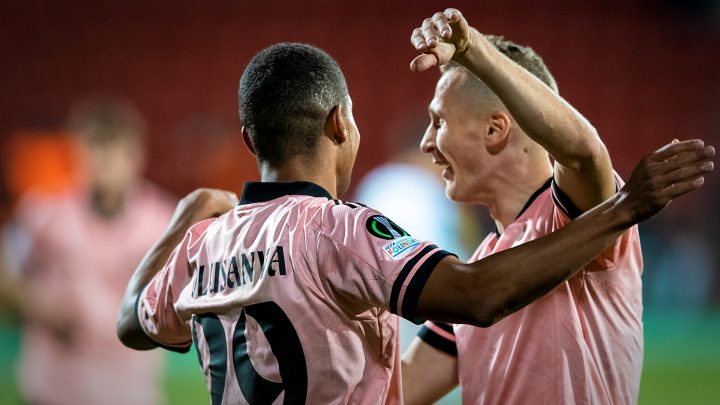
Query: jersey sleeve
[[155, 307], [440, 336], [627, 244], [365, 256]]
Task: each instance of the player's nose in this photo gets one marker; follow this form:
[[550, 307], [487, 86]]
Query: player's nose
[[427, 144]]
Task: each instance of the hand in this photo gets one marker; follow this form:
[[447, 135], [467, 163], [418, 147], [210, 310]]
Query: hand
[[669, 172], [202, 204], [439, 39]]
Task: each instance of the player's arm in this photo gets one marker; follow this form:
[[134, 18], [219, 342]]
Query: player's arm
[[427, 373], [483, 292], [583, 167], [199, 205]]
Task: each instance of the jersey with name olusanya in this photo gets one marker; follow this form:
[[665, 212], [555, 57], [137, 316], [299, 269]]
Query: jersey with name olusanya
[[291, 298]]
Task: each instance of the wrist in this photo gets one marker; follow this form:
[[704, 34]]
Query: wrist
[[622, 216], [474, 52]]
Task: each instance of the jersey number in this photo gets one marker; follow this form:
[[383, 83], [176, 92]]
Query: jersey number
[[284, 343]]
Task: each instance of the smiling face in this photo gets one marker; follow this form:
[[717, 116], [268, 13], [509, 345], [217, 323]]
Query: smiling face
[[455, 137]]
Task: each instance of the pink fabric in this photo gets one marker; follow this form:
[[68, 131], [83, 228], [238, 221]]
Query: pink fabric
[[580, 344], [82, 263], [337, 295]]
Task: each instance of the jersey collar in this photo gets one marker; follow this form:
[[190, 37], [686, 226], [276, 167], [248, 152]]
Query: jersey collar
[[255, 192], [529, 202], [534, 195]]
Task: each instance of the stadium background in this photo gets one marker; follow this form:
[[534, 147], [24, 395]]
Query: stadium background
[[642, 72]]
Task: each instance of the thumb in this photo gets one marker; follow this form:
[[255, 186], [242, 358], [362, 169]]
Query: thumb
[[423, 62]]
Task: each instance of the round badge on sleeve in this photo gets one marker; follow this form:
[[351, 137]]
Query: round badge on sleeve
[[383, 228]]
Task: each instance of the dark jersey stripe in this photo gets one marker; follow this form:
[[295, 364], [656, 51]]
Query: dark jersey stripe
[[397, 285], [433, 339], [416, 285]]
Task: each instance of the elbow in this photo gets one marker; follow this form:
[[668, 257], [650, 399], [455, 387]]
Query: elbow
[[123, 332], [588, 152], [128, 329], [492, 311], [486, 315]]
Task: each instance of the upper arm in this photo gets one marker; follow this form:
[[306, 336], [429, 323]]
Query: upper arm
[[148, 317], [427, 373], [587, 180], [453, 294], [155, 305]]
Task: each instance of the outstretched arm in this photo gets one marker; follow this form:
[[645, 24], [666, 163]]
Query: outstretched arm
[[490, 289], [582, 165], [199, 205]]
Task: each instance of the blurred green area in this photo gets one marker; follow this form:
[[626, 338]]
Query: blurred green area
[[682, 363]]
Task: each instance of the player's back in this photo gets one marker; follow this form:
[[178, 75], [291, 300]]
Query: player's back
[[261, 302], [270, 320], [289, 298]]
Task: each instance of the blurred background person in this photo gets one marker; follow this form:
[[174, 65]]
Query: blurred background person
[[72, 253]]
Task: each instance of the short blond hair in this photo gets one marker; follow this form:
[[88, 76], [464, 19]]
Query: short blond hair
[[522, 55]]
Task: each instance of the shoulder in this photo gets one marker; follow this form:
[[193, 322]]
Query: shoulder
[[334, 216]]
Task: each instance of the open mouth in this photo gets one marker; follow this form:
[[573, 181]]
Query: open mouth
[[447, 173]]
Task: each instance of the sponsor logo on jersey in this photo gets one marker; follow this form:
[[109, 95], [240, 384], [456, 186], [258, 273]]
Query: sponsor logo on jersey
[[383, 228], [401, 247]]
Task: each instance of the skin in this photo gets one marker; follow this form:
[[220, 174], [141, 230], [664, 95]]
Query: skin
[[495, 286], [493, 138]]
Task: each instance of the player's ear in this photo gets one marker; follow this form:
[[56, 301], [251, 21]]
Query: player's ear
[[247, 141], [335, 127], [498, 130]]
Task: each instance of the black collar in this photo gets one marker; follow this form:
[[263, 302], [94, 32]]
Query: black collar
[[529, 202], [255, 192], [534, 196]]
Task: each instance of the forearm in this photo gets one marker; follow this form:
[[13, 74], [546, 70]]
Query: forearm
[[544, 116], [511, 279]]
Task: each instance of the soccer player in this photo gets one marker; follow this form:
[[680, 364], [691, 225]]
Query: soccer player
[[291, 295], [496, 119], [81, 247]]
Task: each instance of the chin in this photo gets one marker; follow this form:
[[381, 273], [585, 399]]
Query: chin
[[455, 193]]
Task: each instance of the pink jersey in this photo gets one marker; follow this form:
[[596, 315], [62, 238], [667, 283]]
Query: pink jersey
[[290, 297], [580, 344], [81, 263]]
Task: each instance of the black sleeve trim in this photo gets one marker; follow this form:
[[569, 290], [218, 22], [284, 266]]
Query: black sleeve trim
[[438, 342], [151, 340], [564, 202], [416, 285], [397, 285], [412, 294]]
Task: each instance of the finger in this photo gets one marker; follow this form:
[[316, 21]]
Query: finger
[[671, 149], [685, 158], [453, 14], [684, 187], [687, 172], [418, 40], [423, 62], [442, 25], [430, 32]]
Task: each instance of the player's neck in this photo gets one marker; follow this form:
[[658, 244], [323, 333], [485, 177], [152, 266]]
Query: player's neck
[[513, 190], [301, 170]]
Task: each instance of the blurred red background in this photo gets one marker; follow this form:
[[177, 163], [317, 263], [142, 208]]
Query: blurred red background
[[643, 72]]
